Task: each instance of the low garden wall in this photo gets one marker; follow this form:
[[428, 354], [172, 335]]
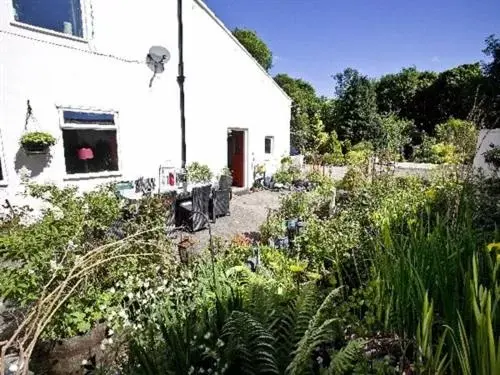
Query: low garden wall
[[400, 169]]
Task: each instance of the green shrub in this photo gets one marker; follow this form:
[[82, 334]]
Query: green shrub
[[198, 173], [287, 173], [75, 225], [462, 135], [332, 159], [492, 156]]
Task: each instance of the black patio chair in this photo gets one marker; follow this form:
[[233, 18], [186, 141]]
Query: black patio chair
[[193, 213], [219, 204]]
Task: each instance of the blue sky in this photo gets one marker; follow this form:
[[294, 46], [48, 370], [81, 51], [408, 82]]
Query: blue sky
[[313, 39]]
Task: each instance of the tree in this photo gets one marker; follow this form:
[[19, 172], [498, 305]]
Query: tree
[[306, 122], [396, 93], [492, 82], [255, 46], [394, 135], [356, 106]]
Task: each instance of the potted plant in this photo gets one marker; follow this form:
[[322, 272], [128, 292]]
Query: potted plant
[[37, 142], [492, 157]]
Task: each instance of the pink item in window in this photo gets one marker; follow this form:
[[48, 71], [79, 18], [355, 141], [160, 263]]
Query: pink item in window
[[85, 153]]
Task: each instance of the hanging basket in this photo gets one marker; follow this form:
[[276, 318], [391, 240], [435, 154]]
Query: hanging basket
[[37, 142], [36, 148]]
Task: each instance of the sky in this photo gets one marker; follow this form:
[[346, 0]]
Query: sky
[[314, 39]]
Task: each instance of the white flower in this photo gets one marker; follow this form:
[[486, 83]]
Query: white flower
[[24, 173], [111, 332], [220, 343], [110, 341], [207, 335], [319, 360], [13, 367], [103, 346], [112, 290], [130, 295], [191, 370], [122, 314], [31, 271], [84, 362], [53, 265], [58, 213]]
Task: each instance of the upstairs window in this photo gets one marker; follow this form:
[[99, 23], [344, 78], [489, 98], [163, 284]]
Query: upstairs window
[[90, 142], [268, 145], [64, 16]]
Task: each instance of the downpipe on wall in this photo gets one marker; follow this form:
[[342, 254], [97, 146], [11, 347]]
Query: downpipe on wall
[[180, 80]]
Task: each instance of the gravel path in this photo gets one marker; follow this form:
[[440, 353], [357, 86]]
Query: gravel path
[[248, 212]]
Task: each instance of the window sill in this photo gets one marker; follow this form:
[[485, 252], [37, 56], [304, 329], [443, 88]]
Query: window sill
[[3, 183], [91, 176], [41, 30]]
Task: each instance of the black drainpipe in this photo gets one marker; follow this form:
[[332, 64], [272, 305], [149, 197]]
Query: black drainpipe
[[180, 81]]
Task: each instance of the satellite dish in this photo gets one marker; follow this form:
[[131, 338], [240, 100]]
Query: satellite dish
[[157, 57]]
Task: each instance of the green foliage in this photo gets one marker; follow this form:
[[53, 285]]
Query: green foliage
[[345, 359], [287, 173], [394, 135], [255, 46], [356, 106], [462, 135], [492, 156], [398, 93], [70, 227], [37, 139], [306, 125], [198, 173], [492, 82], [331, 149]]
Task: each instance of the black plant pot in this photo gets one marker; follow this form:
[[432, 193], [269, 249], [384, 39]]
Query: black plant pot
[[36, 148]]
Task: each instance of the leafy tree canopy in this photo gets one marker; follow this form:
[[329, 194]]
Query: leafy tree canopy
[[255, 46], [356, 106]]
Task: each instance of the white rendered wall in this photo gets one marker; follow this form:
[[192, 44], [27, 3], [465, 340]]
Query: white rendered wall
[[486, 138], [106, 71], [226, 88]]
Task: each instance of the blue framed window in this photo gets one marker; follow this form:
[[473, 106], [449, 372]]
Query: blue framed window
[[64, 16]]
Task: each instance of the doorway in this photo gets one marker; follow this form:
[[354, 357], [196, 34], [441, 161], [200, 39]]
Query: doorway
[[236, 156]]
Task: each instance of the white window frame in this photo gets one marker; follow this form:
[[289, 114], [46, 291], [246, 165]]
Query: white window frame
[[84, 7], [64, 126], [272, 144]]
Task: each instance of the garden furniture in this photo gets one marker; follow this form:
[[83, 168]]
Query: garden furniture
[[193, 212], [221, 196]]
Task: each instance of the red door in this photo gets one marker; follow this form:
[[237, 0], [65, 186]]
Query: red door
[[238, 162]]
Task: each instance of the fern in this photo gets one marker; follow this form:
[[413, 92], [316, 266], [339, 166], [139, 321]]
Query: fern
[[318, 332], [345, 359], [250, 346]]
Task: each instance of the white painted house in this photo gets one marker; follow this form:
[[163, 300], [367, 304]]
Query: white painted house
[[77, 69]]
